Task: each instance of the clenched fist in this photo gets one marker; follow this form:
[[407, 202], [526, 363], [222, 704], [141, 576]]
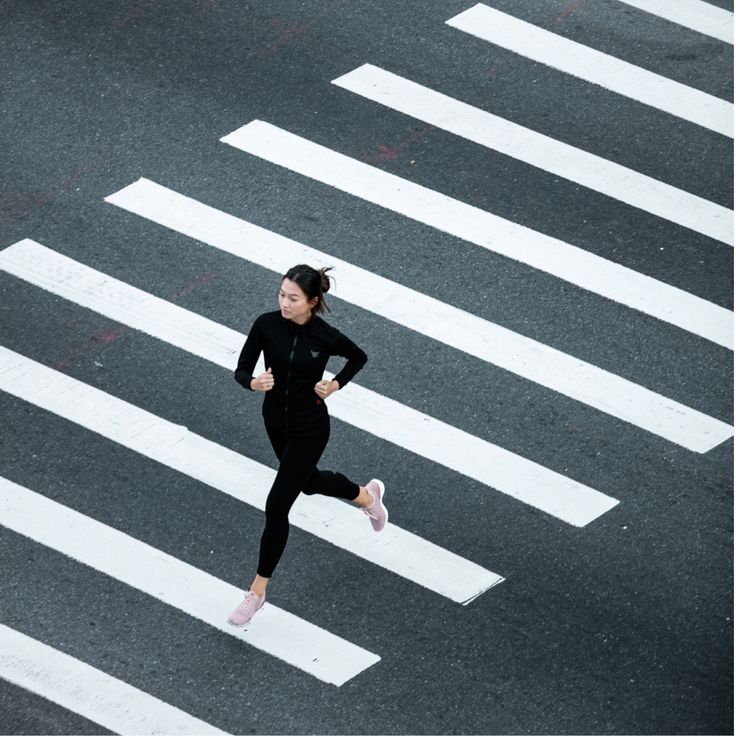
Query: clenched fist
[[264, 382], [324, 388]]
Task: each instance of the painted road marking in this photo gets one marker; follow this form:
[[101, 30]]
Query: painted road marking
[[548, 254], [556, 157], [390, 420], [528, 358], [87, 691], [173, 445], [596, 67], [299, 643], [694, 14]]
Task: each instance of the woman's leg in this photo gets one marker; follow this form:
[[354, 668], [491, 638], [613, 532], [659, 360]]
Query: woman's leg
[[278, 441], [369, 497], [298, 473], [331, 483], [298, 460]]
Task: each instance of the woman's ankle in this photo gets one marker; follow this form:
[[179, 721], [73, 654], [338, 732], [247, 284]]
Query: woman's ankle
[[364, 498], [259, 585]]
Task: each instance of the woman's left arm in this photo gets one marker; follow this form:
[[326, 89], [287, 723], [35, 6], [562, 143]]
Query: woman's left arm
[[346, 348]]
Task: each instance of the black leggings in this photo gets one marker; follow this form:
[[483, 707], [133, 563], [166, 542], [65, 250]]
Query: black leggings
[[297, 473]]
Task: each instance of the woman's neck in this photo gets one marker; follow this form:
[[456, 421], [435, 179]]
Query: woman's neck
[[304, 320]]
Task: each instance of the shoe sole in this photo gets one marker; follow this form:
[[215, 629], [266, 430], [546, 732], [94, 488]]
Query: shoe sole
[[381, 493]]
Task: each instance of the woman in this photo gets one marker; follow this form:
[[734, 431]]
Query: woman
[[296, 344]]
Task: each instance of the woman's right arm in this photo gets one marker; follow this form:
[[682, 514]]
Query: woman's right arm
[[249, 356]]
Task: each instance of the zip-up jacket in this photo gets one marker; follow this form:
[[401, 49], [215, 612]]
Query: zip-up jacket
[[297, 356]]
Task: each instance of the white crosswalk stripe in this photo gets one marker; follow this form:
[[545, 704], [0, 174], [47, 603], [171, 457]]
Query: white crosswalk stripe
[[279, 633], [548, 254], [509, 350], [175, 446], [596, 67], [694, 14], [556, 157], [437, 441], [86, 690]]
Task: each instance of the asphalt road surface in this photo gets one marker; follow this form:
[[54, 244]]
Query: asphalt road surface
[[548, 397]]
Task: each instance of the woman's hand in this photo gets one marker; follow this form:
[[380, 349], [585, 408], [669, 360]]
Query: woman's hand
[[324, 388], [264, 382]]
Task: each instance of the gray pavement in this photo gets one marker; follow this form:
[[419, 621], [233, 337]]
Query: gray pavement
[[624, 626]]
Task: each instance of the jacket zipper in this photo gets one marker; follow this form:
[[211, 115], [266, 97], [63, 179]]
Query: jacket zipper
[[286, 394]]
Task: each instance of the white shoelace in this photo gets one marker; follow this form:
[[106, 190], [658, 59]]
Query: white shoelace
[[249, 603]]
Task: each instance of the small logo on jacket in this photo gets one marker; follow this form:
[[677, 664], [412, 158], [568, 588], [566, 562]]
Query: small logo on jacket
[[315, 353]]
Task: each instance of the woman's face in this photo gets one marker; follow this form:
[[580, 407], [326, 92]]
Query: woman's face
[[294, 303]]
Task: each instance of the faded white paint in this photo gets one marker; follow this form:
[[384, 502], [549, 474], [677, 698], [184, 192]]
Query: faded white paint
[[528, 358], [386, 418], [281, 634], [575, 265], [85, 690], [596, 67], [558, 158], [693, 14], [173, 445]]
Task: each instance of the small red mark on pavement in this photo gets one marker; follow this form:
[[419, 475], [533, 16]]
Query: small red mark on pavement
[[107, 336], [34, 200], [390, 153], [122, 22], [202, 279], [570, 9], [287, 33], [498, 64], [386, 153], [112, 333]]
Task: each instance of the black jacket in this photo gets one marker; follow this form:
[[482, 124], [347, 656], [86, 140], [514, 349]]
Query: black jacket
[[297, 356]]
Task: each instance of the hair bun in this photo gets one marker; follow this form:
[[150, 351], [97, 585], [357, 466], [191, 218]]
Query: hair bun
[[325, 279]]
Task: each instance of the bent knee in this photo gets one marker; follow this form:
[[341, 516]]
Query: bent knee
[[277, 512]]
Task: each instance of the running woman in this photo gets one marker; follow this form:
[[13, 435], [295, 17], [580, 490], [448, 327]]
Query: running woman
[[296, 344]]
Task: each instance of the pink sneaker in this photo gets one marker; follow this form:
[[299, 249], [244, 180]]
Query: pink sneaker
[[376, 512], [242, 615]]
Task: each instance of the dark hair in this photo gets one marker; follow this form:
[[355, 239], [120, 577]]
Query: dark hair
[[313, 282]]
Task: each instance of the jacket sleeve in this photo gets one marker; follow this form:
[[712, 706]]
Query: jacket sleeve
[[249, 356], [346, 348]]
